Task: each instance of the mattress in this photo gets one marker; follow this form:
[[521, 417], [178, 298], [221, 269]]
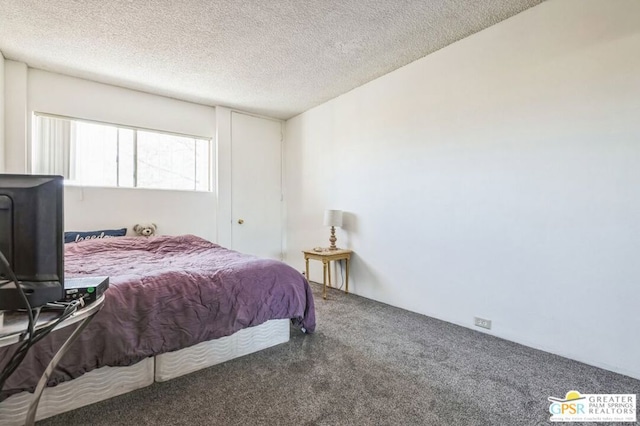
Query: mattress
[[166, 293]]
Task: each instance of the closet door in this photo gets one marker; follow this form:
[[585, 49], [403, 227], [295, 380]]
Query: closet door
[[256, 185]]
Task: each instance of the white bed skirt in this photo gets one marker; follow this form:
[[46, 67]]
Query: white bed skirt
[[107, 382], [94, 386], [174, 364]]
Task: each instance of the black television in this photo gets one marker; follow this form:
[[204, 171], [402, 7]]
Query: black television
[[31, 239]]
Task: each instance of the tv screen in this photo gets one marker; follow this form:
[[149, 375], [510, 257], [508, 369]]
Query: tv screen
[[31, 239]]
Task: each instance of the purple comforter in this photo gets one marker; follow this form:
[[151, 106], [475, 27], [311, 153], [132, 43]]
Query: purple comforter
[[166, 293]]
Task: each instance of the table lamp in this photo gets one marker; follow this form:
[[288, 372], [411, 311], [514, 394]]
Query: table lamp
[[333, 218]]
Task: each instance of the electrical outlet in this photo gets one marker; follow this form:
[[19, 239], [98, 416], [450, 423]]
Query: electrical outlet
[[481, 322]]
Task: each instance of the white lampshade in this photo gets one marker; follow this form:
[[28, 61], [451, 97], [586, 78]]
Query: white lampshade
[[333, 218]]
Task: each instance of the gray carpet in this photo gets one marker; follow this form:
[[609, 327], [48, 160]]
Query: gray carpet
[[368, 364]]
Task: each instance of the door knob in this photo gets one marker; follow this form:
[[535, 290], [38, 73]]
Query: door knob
[[240, 221]]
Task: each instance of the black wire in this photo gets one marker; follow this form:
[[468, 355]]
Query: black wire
[[33, 336], [11, 366], [12, 275], [39, 334]]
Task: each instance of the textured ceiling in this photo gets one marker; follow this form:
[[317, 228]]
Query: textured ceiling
[[272, 57]]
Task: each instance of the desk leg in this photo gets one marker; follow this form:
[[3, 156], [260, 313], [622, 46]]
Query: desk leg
[[42, 383], [324, 279], [329, 272], [306, 260], [346, 280]]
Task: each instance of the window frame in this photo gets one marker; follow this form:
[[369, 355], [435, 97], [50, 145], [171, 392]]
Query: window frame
[[135, 129]]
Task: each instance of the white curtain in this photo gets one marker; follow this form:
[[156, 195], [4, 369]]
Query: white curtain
[[53, 147]]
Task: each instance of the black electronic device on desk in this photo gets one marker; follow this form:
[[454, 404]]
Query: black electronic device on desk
[[87, 288]]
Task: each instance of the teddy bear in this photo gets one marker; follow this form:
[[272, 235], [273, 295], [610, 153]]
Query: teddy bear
[[146, 229]]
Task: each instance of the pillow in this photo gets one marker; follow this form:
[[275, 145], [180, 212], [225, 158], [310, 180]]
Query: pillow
[[74, 236]]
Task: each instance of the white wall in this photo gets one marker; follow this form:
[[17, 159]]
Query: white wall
[[74, 97], [175, 212], [497, 177], [15, 116], [223, 181]]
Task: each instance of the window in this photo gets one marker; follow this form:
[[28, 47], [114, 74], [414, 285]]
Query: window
[[96, 154]]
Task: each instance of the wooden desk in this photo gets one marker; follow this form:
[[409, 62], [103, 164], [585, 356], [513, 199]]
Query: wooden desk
[[326, 256]]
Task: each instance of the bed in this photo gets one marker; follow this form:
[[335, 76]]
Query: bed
[[175, 305]]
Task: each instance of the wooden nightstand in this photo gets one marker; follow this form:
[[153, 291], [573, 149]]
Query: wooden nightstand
[[326, 256]]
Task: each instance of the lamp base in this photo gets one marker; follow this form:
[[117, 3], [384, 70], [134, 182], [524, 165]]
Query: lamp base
[[333, 239]]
